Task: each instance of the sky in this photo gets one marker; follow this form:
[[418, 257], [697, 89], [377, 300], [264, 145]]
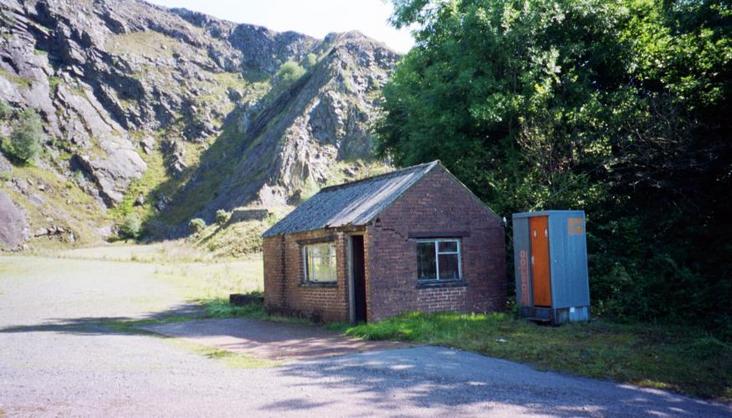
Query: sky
[[316, 18]]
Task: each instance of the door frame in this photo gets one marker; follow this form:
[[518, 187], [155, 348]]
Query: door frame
[[351, 282]]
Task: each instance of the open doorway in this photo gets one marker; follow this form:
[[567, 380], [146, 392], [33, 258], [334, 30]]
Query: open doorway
[[358, 276]]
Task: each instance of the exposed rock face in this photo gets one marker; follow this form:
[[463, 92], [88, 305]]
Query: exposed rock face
[[98, 70], [294, 140], [175, 156], [117, 81], [14, 228], [262, 49], [5, 166], [113, 174]]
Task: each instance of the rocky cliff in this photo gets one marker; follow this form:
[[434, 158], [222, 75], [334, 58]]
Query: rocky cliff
[[169, 114]]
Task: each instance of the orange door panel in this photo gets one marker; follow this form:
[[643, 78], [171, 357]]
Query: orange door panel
[[539, 230]]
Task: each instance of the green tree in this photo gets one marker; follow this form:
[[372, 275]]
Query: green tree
[[26, 138], [197, 225], [131, 226], [310, 60], [615, 107], [289, 72], [222, 217]]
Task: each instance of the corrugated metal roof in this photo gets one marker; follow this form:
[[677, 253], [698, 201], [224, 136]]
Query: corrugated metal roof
[[548, 212], [355, 203]]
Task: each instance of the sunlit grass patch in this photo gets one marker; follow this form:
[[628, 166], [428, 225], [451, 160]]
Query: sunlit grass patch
[[136, 326], [230, 358], [214, 280]]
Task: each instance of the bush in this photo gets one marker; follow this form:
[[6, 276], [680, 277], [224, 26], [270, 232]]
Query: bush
[[197, 225], [131, 226], [25, 140], [222, 217], [290, 71], [310, 60], [5, 110], [658, 219]]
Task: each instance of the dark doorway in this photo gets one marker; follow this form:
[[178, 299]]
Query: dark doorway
[[358, 272]]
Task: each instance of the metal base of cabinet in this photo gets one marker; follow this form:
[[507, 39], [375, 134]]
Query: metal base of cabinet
[[556, 316]]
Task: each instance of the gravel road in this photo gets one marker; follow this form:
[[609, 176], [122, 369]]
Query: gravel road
[[56, 359]]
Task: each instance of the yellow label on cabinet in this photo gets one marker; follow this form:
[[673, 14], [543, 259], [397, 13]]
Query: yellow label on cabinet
[[575, 226]]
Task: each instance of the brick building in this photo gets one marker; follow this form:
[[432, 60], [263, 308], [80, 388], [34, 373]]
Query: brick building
[[415, 239]]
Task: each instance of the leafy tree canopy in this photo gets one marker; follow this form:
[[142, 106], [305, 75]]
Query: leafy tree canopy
[[26, 138], [619, 108], [289, 72]]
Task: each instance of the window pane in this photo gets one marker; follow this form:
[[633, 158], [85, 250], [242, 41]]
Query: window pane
[[321, 262], [426, 267], [449, 267], [448, 246]]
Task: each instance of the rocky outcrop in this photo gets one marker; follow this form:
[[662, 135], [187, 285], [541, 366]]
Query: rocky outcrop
[[14, 229], [248, 214], [293, 141], [97, 71], [113, 173], [261, 49], [117, 82], [175, 157], [5, 167]]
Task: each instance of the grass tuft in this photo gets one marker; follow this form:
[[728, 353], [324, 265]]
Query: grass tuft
[[221, 308], [230, 358]]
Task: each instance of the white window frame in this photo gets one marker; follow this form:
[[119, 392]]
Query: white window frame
[[436, 242], [306, 271]]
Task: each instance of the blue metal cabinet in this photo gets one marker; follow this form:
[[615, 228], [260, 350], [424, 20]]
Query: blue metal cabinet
[[568, 283]]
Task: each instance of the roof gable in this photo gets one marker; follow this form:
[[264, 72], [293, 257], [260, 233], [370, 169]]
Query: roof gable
[[355, 203]]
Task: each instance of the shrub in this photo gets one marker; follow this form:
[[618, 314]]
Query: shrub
[[222, 217], [53, 83], [310, 60], [25, 140], [290, 71], [197, 225], [5, 110], [131, 226]]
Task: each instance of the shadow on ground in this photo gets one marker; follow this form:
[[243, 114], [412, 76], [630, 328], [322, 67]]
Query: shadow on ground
[[384, 381], [269, 339], [443, 379], [113, 324]]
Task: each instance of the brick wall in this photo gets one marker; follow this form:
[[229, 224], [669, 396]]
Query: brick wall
[[442, 299], [435, 206], [274, 274], [284, 287]]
